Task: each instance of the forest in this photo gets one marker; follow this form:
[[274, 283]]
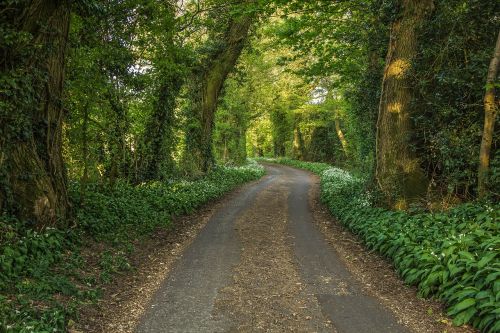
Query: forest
[[118, 115]]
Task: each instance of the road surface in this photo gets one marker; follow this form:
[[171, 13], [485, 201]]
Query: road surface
[[261, 265]]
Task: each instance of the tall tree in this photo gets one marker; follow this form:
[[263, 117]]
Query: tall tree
[[33, 185], [158, 138], [157, 143], [117, 137], [210, 79], [398, 170], [490, 114]]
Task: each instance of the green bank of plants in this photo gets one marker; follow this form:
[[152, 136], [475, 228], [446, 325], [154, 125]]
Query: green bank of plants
[[44, 278], [452, 255], [148, 205]]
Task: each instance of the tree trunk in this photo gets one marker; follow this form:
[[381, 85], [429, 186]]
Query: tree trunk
[[34, 179], [85, 152], [398, 171], [199, 140], [158, 142], [341, 136], [298, 140], [490, 114], [118, 145], [242, 146]]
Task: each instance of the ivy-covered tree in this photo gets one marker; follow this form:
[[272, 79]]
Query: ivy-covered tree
[[32, 67], [209, 77], [490, 114]]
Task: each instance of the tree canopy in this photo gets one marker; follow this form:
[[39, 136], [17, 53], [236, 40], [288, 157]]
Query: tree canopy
[[142, 90]]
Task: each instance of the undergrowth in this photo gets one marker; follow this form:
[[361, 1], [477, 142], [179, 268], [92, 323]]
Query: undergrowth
[[44, 278], [452, 255]]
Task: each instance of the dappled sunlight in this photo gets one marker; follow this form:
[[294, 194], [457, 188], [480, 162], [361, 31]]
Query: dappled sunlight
[[401, 204], [398, 68], [395, 107], [409, 165]]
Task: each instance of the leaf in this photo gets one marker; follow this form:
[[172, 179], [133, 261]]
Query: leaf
[[466, 303], [495, 328], [492, 277], [486, 259], [466, 255], [483, 294], [464, 317], [459, 296]]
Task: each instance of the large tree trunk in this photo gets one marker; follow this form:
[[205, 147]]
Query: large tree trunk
[[199, 140], [398, 171], [33, 185], [490, 114]]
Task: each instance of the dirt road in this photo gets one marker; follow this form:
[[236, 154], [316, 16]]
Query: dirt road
[[261, 264]]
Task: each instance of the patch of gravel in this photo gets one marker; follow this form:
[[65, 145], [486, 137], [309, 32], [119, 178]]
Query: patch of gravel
[[378, 276], [267, 294], [126, 298]]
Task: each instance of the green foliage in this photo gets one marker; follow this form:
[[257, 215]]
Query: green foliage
[[319, 73], [147, 206], [342, 46], [316, 136], [133, 117], [42, 277], [449, 77], [125, 70], [259, 102], [29, 284], [452, 255], [232, 120]]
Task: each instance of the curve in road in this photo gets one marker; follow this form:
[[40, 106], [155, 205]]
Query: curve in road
[[260, 264]]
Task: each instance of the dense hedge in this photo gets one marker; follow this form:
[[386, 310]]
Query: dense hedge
[[42, 283], [452, 255]]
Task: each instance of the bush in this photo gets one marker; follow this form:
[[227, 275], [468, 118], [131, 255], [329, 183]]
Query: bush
[[40, 271], [452, 255]]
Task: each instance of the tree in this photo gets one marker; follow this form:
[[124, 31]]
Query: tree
[[157, 142], [490, 113], [32, 69], [398, 170], [209, 80]]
